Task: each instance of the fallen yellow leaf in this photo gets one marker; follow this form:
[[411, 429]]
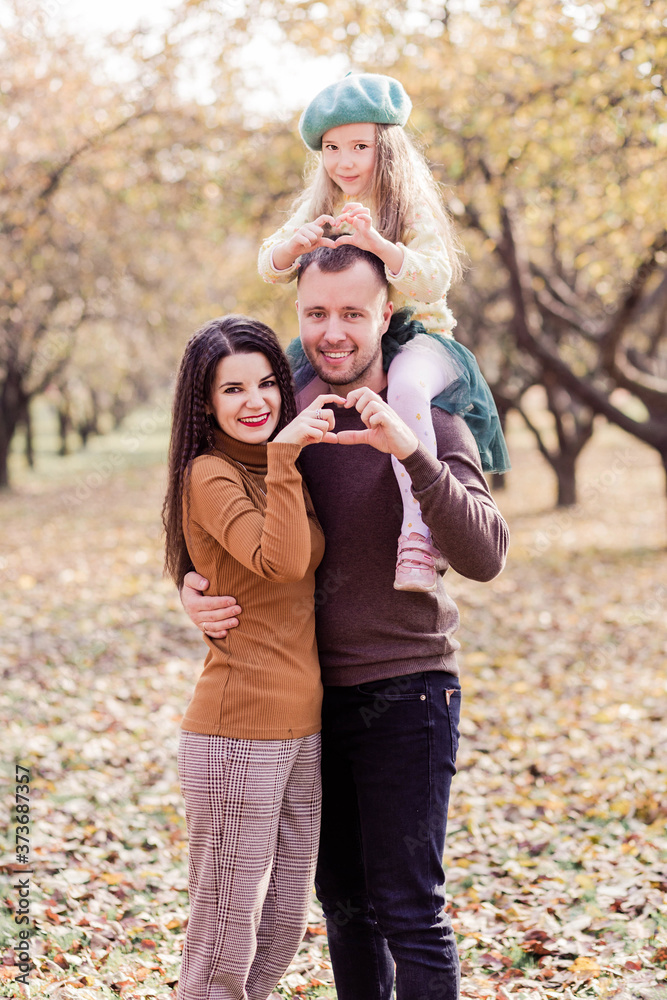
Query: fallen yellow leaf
[[112, 878], [585, 964]]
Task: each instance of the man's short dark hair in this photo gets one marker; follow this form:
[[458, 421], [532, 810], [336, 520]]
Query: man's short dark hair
[[330, 260]]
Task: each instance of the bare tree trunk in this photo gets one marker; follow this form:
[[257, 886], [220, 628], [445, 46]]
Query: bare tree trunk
[[574, 428], [565, 467], [89, 424], [85, 429], [119, 409], [26, 420], [64, 425], [10, 415], [5, 443]]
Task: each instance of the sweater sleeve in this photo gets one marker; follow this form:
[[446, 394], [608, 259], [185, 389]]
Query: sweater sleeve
[[274, 543], [426, 273], [456, 503], [265, 259]]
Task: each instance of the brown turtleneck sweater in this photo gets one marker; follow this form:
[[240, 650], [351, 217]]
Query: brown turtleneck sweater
[[251, 530]]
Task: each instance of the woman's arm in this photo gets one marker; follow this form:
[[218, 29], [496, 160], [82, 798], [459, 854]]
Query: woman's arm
[[274, 543]]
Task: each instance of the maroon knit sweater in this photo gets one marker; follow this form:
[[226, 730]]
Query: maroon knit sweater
[[366, 630]]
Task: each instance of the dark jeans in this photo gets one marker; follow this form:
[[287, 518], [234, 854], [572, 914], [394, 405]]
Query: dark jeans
[[388, 752]]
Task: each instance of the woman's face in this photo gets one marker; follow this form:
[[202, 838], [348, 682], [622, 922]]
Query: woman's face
[[246, 399], [348, 154]]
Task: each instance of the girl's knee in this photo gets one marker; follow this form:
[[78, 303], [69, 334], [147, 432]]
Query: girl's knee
[[404, 387]]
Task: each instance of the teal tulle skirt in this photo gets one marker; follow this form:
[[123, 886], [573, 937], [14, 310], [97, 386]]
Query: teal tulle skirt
[[467, 395]]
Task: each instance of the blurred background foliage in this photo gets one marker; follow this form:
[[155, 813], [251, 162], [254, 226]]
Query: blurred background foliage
[[138, 179]]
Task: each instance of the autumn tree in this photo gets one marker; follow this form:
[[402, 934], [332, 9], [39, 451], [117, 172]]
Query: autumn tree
[[58, 259], [141, 213], [546, 124], [550, 122], [557, 188], [124, 217]]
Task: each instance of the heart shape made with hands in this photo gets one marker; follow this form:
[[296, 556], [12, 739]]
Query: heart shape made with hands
[[332, 233], [384, 429]]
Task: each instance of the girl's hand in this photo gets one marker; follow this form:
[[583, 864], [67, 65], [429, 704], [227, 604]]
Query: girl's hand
[[366, 237], [308, 238], [385, 430], [313, 424]]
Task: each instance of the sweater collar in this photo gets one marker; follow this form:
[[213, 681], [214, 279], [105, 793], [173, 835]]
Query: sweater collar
[[251, 456]]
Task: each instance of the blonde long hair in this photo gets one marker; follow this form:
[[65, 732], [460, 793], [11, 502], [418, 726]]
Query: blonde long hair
[[402, 185]]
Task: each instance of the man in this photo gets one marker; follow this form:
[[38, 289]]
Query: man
[[392, 694]]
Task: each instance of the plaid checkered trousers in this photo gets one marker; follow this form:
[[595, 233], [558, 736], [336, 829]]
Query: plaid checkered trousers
[[253, 816]]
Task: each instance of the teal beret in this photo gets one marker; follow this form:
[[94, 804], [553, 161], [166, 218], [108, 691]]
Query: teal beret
[[358, 97]]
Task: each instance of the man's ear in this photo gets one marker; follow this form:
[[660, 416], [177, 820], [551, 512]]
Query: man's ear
[[386, 315], [296, 306]]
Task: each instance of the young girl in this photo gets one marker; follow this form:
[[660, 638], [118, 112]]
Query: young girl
[[249, 757], [376, 188]]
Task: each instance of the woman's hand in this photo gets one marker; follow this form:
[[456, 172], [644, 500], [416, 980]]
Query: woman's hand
[[385, 429], [313, 424], [305, 239], [366, 237]]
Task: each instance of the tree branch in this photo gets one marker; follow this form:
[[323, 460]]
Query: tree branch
[[612, 338], [56, 175], [651, 389], [562, 313], [528, 337], [536, 434]]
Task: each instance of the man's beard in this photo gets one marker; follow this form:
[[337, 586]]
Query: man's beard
[[355, 375]]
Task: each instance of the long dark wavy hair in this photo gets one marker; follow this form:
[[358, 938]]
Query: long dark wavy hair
[[192, 427]]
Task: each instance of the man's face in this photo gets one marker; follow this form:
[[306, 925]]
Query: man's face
[[342, 317]]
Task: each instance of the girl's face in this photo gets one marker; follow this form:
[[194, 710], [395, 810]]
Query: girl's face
[[348, 154], [246, 399]]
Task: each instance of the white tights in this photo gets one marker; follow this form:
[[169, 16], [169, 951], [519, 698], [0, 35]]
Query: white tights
[[420, 371]]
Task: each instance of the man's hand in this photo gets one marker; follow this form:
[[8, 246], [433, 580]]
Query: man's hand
[[385, 429], [213, 615]]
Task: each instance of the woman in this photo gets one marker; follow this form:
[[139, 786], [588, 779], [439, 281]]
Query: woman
[[249, 763]]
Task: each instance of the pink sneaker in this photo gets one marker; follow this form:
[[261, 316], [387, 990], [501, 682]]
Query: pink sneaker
[[415, 565]]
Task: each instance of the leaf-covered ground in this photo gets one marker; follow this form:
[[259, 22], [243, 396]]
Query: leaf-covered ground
[[557, 845]]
